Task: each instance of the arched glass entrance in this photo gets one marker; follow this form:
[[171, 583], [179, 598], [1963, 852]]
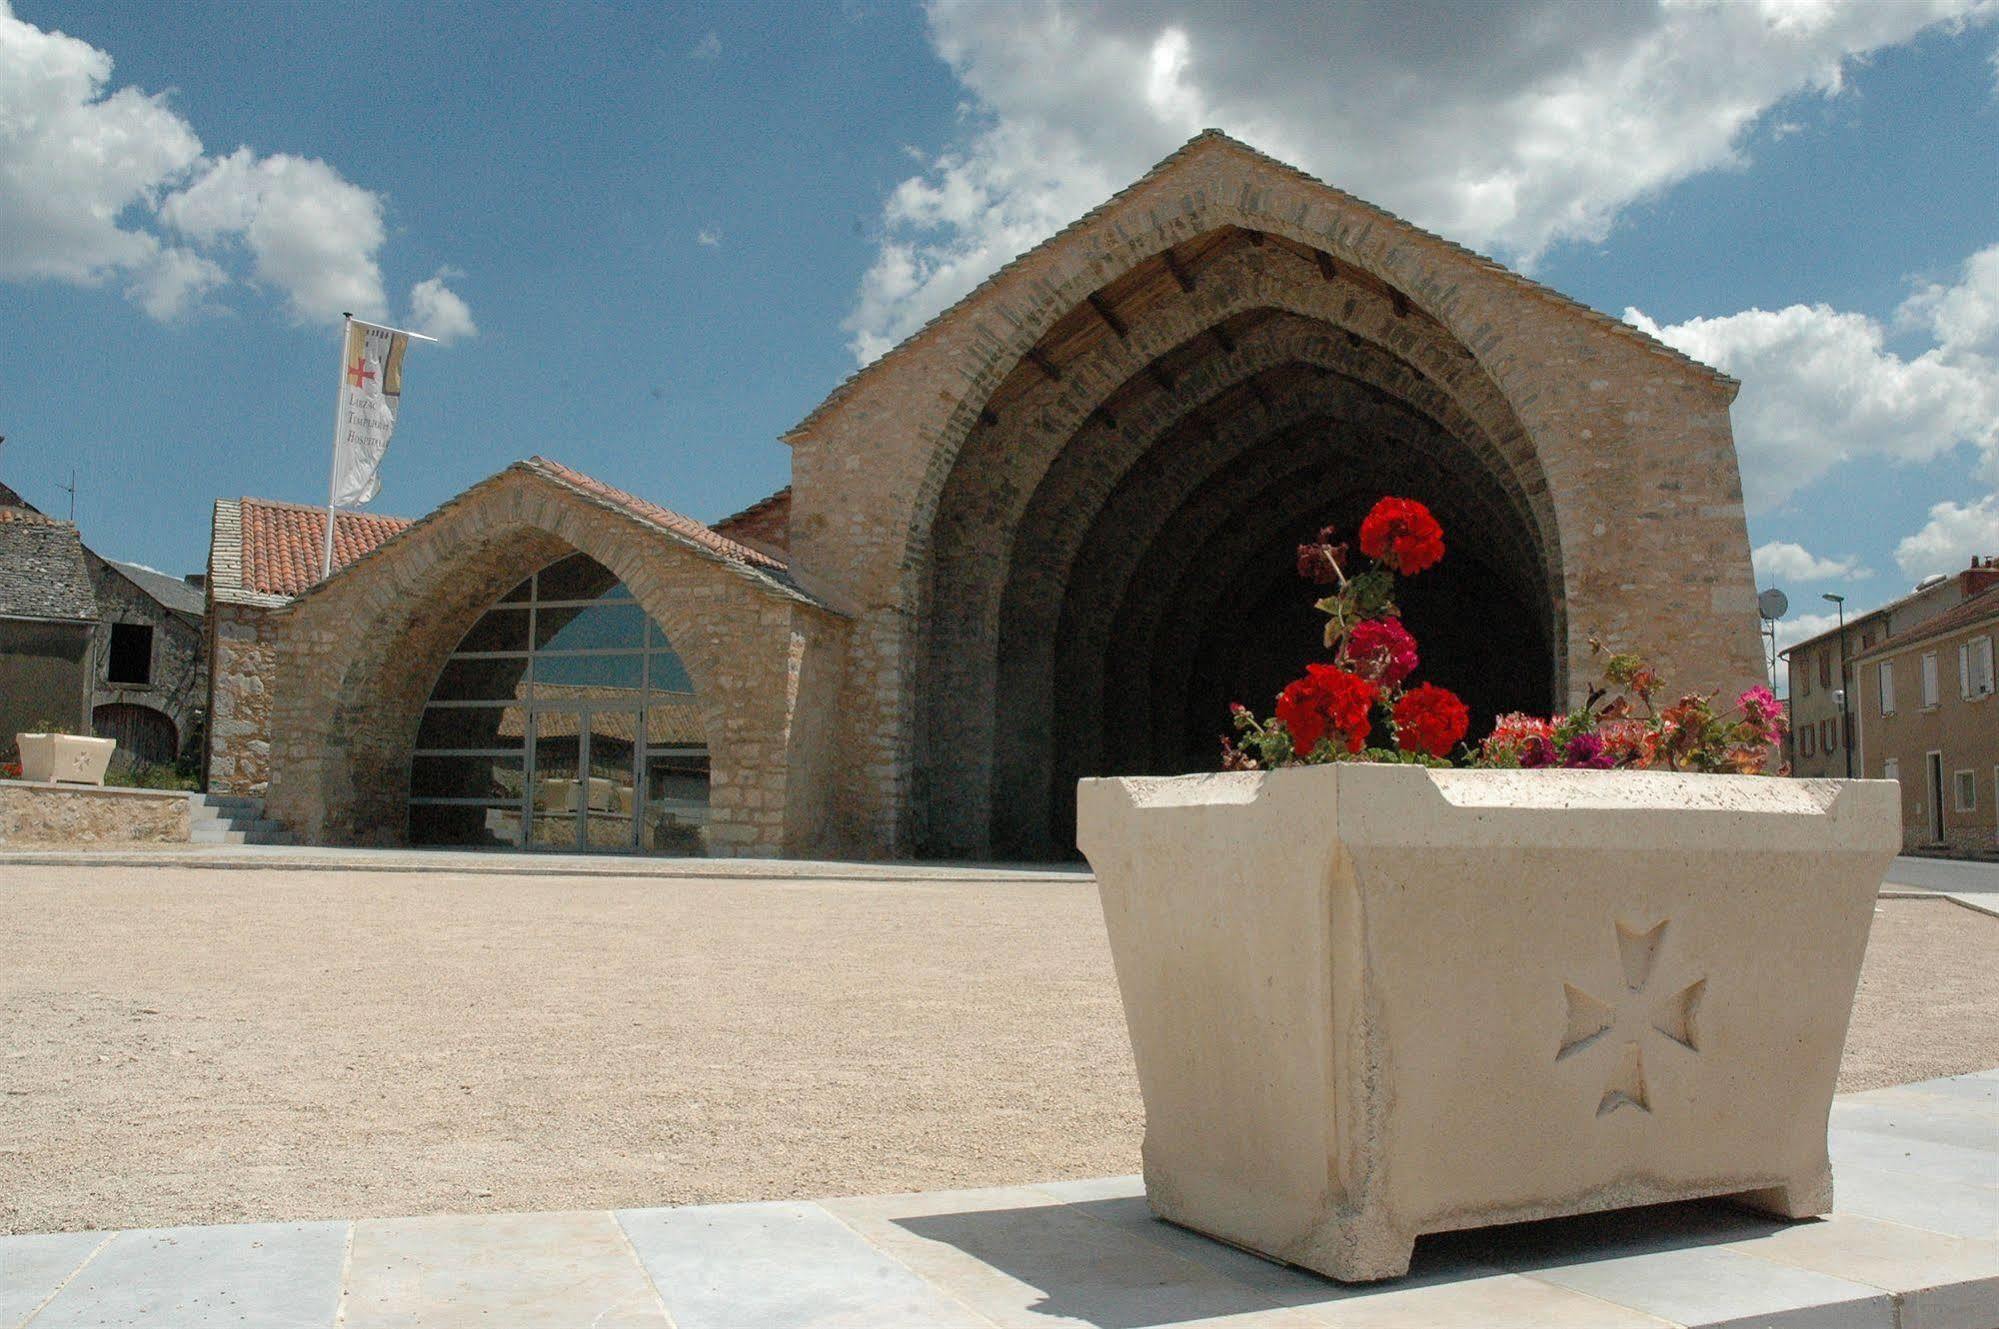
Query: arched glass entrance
[[563, 721]]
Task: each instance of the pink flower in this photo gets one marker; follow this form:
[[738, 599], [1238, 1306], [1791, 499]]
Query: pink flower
[[1381, 650]]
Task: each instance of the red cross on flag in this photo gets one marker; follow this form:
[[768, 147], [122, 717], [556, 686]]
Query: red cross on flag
[[371, 387]]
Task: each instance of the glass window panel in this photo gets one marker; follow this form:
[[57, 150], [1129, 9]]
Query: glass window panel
[[580, 577], [676, 807], [596, 677], [499, 630], [470, 727], [597, 628], [466, 777], [481, 680], [520, 592], [668, 673], [465, 827]]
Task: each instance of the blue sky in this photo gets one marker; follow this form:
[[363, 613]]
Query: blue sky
[[659, 236]]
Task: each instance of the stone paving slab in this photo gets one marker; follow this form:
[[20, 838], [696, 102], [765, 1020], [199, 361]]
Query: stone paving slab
[[1915, 1245]]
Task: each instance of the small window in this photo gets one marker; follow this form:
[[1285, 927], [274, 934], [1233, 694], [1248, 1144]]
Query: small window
[[1866, 639], [1826, 735], [1825, 667], [1974, 668], [1931, 692], [1805, 745], [1965, 786], [131, 656], [1887, 687], [1891, 769]]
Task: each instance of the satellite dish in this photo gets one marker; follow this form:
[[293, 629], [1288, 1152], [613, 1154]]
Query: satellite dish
[[1773, 603]]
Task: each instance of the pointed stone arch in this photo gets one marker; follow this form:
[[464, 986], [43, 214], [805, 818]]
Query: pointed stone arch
[[359, 656]]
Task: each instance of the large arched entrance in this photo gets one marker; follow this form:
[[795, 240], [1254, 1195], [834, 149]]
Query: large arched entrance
[[1113, 548], [563, 720]]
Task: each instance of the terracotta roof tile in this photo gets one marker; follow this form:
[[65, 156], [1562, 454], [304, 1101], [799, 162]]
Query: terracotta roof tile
[[284, 544], [765, 523], [656, 515]]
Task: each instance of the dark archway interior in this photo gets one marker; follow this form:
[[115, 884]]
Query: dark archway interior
[[1104, 587]]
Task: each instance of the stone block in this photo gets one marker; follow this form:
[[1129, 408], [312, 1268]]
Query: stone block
[[1369, 1002]]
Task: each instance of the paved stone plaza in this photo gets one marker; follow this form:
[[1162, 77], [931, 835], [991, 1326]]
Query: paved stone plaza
[[1913, 1243]]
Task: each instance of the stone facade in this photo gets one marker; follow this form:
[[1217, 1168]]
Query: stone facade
[[944, 481], [76, 814], [356, 658], [159, 718], [1048, 535], [240, 661]]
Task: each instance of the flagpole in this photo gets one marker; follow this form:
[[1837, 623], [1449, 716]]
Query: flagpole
[[333, 466]]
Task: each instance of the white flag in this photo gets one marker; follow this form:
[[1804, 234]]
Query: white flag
[[371, 387]]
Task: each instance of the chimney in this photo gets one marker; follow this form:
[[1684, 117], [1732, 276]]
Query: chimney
[[1980, 576]]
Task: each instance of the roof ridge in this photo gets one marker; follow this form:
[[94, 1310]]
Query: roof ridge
[[1222, 138], [320, 508], [564, 472], [1962, 614], [753, 509]]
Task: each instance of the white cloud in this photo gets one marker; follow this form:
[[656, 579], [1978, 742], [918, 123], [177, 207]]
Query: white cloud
[[709, 236], [1781, 560], [437, 311], [74, 162], [1820, 387], [173, 284], [1954, 534], [1507, 126], [96, 183], [1802, 627], [309, 233], [708, 48]]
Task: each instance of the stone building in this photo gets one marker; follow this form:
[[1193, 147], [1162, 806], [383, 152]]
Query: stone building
[[1049, 535], [1819, 670], [149, 668], [48, 620], [1925, 716], [261, 555]]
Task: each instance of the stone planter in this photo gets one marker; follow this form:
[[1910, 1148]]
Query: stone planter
[[1370, 1002], [70, 758]]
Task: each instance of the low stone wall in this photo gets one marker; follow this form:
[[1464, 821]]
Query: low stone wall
[[88, 814]]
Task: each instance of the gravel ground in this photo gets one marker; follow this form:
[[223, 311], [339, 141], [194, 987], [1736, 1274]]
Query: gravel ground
[[179, 1046]]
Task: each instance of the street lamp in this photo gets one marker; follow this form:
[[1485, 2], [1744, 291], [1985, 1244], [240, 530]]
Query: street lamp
[[1845, 729]]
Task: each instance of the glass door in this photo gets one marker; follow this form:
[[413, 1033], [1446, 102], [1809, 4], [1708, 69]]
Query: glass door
[[610, 799], [554, 788]]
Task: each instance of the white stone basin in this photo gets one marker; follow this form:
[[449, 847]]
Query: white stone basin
[[70, 758], [1370, 1002]]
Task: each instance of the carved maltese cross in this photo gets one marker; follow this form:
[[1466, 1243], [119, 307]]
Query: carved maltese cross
[[1629, 1016]]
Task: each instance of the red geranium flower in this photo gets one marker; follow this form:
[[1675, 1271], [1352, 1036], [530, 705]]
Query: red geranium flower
[[1380, 650], [1401, 534], [1328, 697], [1430, 719]]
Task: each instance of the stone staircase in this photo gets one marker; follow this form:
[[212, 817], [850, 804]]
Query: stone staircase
[[231, 819]]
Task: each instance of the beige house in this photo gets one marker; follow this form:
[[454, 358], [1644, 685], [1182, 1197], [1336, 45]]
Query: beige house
[[1927, 718], [1052, 534], [1820, 668]]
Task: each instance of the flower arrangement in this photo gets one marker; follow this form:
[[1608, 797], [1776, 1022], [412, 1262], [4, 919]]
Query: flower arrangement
[[1618, 727], [1331, 713]]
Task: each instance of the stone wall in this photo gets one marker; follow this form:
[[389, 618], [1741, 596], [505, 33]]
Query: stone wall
[[355, 660], [86, 814], [179, 678], [1632, 457], [242, 656]]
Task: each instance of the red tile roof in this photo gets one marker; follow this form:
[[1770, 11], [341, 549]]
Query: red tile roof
[[765, 523], [284, 544], [654, 514]]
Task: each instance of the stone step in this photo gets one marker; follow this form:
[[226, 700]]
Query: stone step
[[214, 833]]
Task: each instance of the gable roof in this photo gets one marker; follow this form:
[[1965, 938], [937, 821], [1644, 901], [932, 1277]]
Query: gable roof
[[763, 568], [1984, 605], [42, 571], [764, 524], [262, 552], [170, 591], [1209, 140]]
